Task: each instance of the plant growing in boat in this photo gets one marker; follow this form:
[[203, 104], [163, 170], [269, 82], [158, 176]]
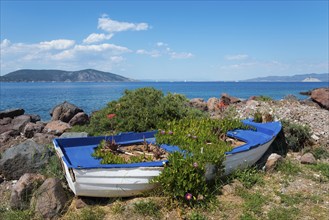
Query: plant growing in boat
[[111, 153], [203, 146]]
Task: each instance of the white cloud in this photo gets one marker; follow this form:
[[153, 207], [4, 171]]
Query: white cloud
[[182, 55], [59, 44], [5, 43], [237, 57], [162, 49], [117, 59], [94, 37], [152, 53], [109, 25], [161, 44]]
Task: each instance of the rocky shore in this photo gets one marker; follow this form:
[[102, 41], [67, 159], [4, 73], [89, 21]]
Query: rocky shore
[[25, 142]]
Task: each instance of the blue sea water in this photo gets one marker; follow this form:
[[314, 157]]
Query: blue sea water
[[40, 98]]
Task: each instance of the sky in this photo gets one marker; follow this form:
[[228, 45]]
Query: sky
[[167, 40]]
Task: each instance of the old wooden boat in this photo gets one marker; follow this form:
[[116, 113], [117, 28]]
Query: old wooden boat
[[86, 176]]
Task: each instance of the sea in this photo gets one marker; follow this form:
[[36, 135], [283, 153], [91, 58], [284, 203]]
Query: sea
[[40, 97]]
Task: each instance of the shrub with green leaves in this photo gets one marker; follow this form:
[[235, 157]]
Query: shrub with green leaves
[[139, 110], [202, 145], [297, 136]]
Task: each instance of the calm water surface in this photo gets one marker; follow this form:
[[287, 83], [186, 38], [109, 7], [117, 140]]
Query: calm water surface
[[40, 98]]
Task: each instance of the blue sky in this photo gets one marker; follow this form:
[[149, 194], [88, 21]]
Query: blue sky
[[167, 40]]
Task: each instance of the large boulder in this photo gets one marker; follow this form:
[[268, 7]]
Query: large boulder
[[11, 113], [64, 112], [80, 118], [321, 96], [23, 189], [213, 104], [50, 199], [56, 127], [308, 158], [33, 128], [43, 139], [198, 103], [27, 157], [227, 99], [20, 122]]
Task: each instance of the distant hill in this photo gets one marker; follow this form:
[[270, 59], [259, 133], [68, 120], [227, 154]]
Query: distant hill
[[87, 75], [312, 77]]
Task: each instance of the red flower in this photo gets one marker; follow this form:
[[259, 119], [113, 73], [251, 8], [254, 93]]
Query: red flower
[[110, 116]]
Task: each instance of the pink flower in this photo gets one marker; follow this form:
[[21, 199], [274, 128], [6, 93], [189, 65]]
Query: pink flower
[[110, 116], [195, 164], [162, 132], [188, 196], [170, 132]]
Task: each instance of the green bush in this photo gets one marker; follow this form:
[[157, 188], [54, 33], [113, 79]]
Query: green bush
[[263, 98], [297, 136], [139, 110], [184, 178]]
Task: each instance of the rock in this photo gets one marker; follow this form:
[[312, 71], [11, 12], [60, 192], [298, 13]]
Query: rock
[[64, 112], [5, 121], [6, 128], [74, 134], [198, 103], [79, 203], [27, 157], [272, 162], [308, 158], [44, 139], [80, 118], [315, 137], [227, 99], [22, 190], [50, 199], [213, 104], [6, 137], [11, 113], [56, 127], [229, 189], [35, 118], [32, 128], [321, 96], [20, 122]]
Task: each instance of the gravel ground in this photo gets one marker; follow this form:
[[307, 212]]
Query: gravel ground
[[304, 113]]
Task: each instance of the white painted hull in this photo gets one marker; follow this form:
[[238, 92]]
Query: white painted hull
[[125, 182], [244, 159], [114, 182]]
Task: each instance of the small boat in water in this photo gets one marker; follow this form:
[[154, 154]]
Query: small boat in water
[[86, 176]]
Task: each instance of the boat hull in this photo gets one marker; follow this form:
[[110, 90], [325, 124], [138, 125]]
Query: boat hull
[[244, 159]]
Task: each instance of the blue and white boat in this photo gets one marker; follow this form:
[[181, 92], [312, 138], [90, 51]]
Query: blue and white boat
[[86, 176]]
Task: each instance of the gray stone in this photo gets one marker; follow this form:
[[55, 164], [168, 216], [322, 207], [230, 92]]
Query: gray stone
[[64, 112], [27, 157], [198, 103], [5, 121], [50, 199], [35, 118], [23, 189], [308, 158], [56, 127], [272, 162], [32, 128], [74, 134], [11, 113], [321, 96], [42, 138], [213, 104], [20, 122], [80, 118]]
